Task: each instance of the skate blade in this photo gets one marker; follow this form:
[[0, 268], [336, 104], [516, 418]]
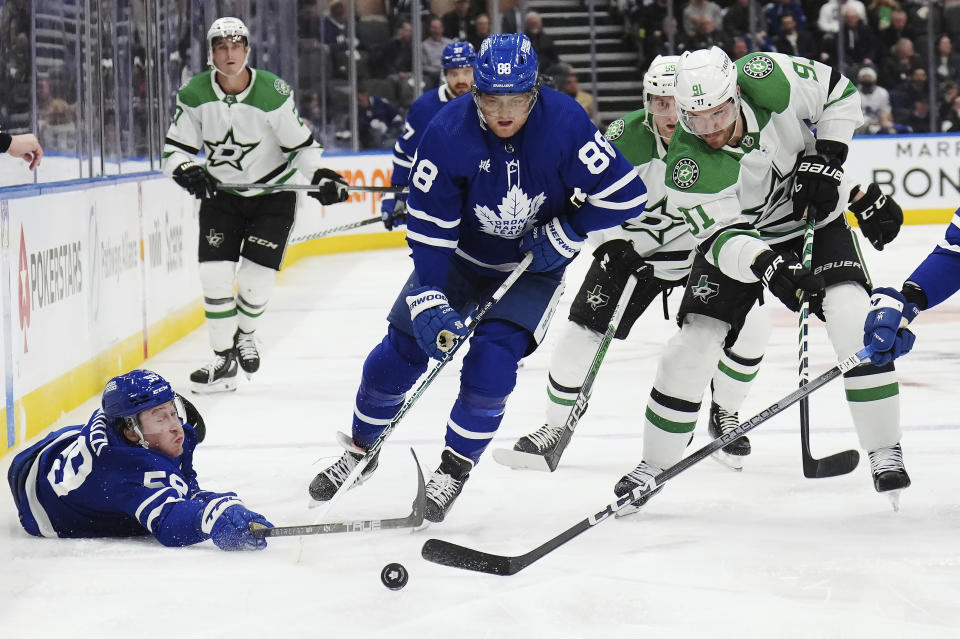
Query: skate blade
[[208, 389], [520, 461], [894, 497], [733, 462], [626, 511]]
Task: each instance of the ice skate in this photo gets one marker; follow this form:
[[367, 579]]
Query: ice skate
[[218, 376], [640, 477], [531, 450], [721, 423], [445, 485], [328, 481], [889, 475], [246, 348]]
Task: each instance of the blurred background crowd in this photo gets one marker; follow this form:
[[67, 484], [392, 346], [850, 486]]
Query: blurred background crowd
[[97, 79]]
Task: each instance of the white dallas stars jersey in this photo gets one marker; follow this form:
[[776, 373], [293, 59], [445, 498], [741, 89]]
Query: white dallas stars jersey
[[253, 136], [660, 237], [734, 197]]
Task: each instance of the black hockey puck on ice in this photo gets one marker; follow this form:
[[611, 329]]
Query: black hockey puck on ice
[[394, 576]]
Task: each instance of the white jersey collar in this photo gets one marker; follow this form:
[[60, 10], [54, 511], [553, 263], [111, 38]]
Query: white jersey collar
[[240, 97]]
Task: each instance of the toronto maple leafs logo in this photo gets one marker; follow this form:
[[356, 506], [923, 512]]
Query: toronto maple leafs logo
[[704, 289], [514, 215]]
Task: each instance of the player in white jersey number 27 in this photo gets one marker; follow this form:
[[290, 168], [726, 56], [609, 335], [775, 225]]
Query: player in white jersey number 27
[[246, 122]]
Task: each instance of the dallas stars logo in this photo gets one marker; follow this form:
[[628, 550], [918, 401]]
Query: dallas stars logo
[[655, 221], [704, 289], [228, 151], [596, 298], [685, 173], [615, 130], [759, 67]]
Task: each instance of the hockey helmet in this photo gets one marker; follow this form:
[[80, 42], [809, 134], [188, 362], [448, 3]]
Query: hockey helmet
[[659, 79], [506, 63], [457, 55], [705, 80], [126, 396], [232, 29]]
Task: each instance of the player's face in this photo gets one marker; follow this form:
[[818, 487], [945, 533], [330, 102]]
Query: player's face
[[664, 115], [506, 114], [229, 55], [714, 126], [459, 80], [162, 429]]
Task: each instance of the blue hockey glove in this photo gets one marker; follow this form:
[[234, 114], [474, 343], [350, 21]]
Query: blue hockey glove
[[435, 324], [231, 530], [393, 212], [885, 329], [331, 187], [553, 245], [195, 180]]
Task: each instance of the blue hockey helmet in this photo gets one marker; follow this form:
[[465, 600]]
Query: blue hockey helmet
[[126, 396], [506, 64], [457, 55]]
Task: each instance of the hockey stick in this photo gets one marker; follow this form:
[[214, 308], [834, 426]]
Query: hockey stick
[[471, 325], [456, 556], [839, 463], [306, 187], [333, 230], [549, 460], [413, 520]]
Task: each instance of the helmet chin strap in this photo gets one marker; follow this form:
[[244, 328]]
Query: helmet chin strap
[[133, 425], [236, 73]]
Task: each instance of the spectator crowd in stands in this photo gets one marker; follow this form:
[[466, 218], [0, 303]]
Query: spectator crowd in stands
[[881, 45]]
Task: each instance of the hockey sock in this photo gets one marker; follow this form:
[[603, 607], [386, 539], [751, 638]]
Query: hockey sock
[[873, 393], [738, 365], [254, 285], [488, 377], [219, 304], [389, 371], [568, 367]]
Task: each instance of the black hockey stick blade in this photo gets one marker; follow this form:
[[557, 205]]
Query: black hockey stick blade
[[457, 556], [834, 465], [413, 520]]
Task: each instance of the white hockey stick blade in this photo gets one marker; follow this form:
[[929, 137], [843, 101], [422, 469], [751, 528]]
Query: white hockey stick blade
[[520, 461]]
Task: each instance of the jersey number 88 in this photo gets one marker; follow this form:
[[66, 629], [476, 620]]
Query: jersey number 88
[[593, 158]]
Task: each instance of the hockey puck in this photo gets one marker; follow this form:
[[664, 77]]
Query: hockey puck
[[394, 576]]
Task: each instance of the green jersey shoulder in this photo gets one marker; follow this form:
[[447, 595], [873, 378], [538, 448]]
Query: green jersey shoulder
[[198, 90], [763, 81], [694, 167], [268, 92], [633, 136]]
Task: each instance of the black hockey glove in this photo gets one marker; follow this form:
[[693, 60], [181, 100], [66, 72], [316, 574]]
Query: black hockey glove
[[817, 180], [619, 258], [879, 216], [195, 180], [331, 187], [785, 277]]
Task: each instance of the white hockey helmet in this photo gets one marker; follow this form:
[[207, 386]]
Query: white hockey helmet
[[659, 80], [231, 28], [706, 79]]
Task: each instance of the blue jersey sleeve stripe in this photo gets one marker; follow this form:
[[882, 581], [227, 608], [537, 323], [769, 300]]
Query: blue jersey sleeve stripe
[[150, 499], [426, 217], [616, 186], [156, 512], [40, 515], [430, 241], [637, 202], [214, 509]]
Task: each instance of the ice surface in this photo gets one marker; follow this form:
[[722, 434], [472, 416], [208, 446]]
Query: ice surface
[[762, 553]]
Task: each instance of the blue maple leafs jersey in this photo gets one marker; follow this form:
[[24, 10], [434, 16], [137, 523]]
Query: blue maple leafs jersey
[[86, 481], [939, 274], [418, 117], [474, 195]]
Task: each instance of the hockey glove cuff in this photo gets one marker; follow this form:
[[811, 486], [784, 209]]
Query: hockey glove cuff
[[331, 187], [879, 217], [885, 329], [619, 257], [553, 245], [231, 528], [393, 212], [784, 276], [436, 325], [195, 180]]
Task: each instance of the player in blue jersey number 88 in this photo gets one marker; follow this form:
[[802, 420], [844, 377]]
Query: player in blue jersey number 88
[[128, 472], [493, 179]]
